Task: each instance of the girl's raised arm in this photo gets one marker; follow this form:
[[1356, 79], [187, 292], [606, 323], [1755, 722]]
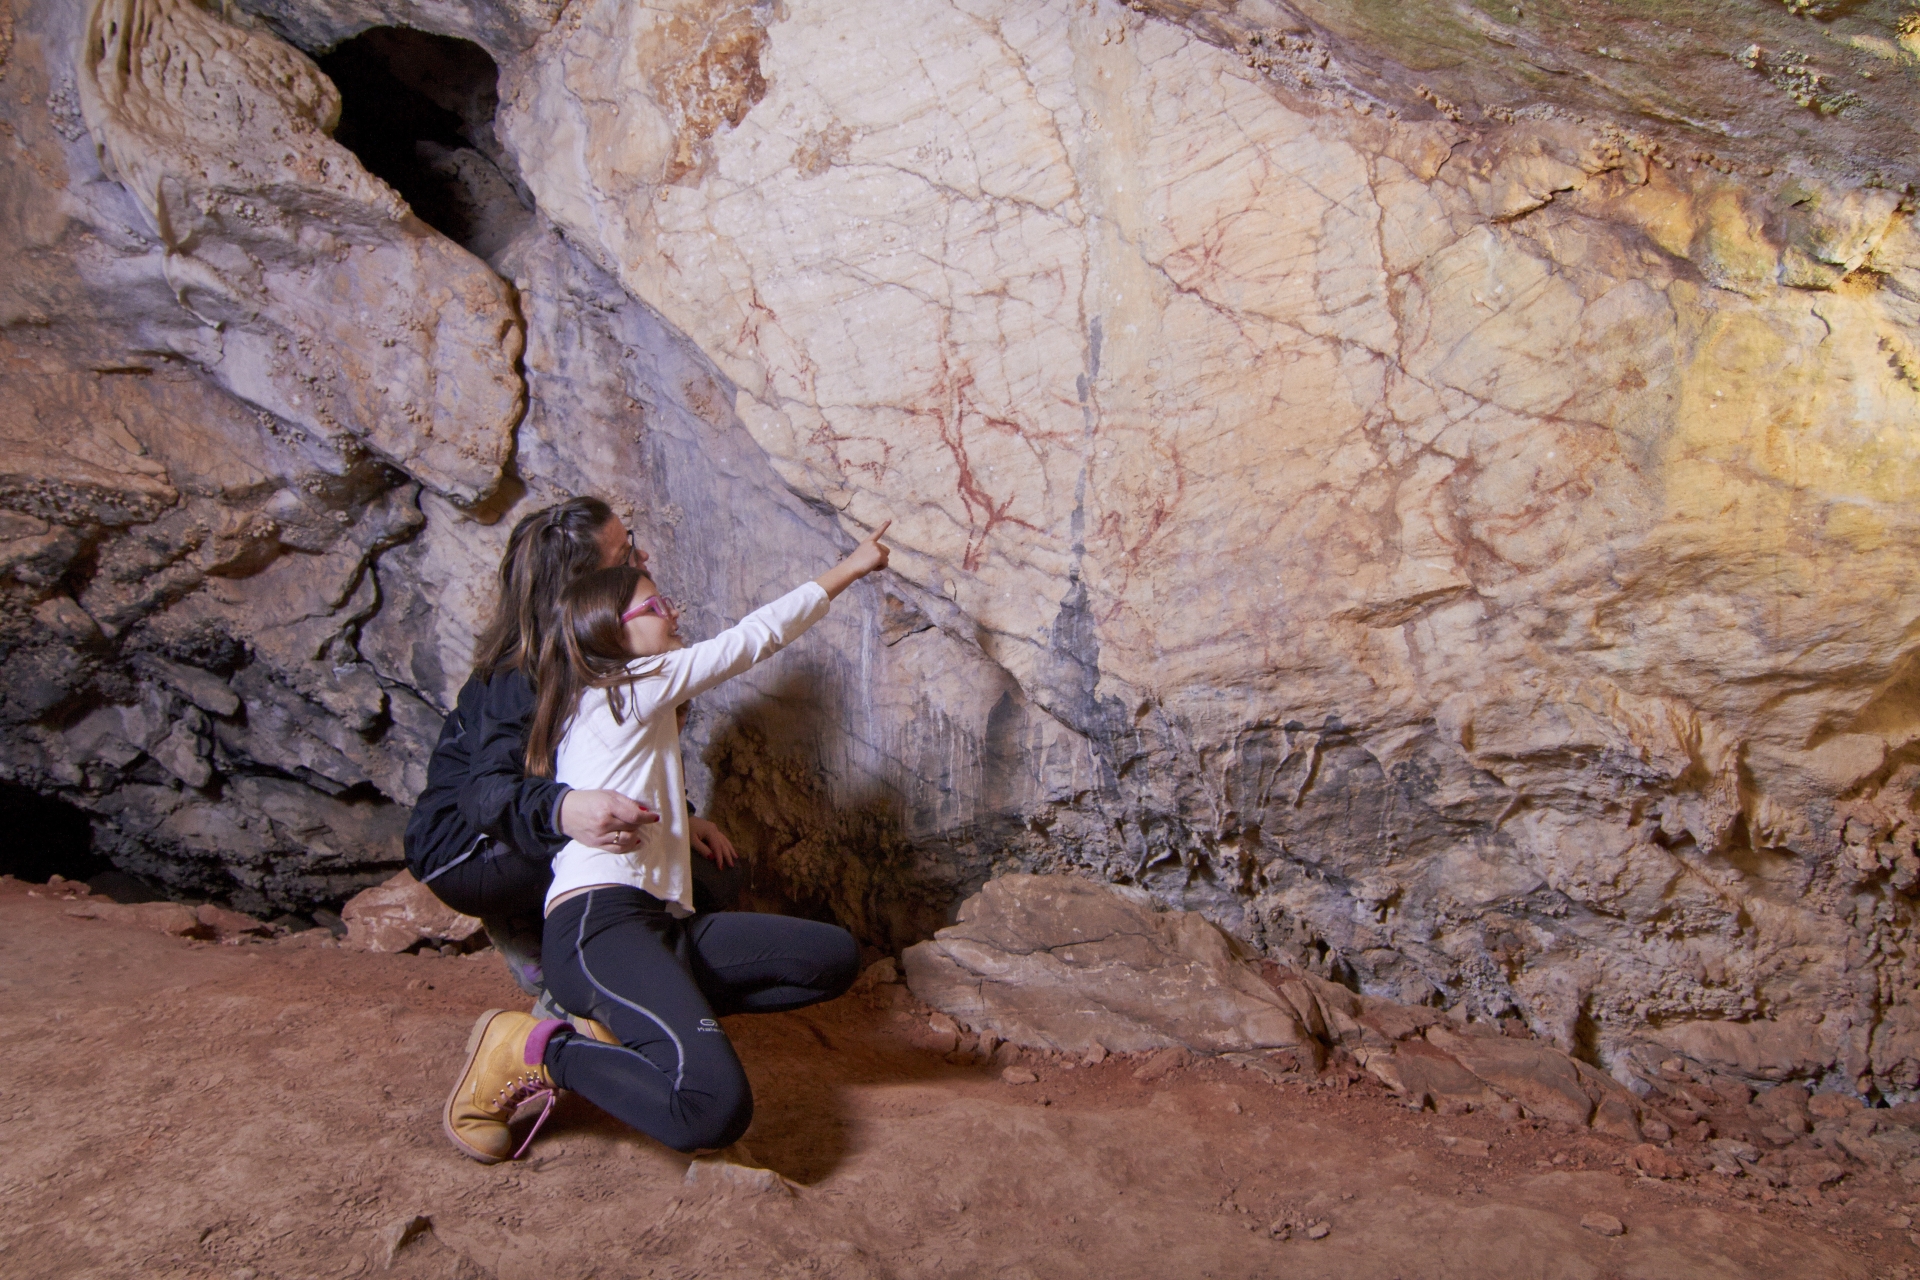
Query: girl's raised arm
[[689, 672]]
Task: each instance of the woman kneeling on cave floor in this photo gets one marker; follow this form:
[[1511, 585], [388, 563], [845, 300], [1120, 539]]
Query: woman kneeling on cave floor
[[645, 977]]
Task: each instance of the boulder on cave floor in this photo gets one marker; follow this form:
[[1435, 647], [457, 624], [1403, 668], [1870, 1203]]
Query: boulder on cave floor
[[1060, 963], [401, 914], [1064, 964]]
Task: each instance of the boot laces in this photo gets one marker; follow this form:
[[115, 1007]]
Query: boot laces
[[522, 1090]]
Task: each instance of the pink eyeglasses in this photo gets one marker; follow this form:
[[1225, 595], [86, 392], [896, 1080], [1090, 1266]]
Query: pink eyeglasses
[[659, 606]]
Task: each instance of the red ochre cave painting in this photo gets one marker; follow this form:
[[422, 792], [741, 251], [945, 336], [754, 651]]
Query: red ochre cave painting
[[957, 405], [1159, 506]]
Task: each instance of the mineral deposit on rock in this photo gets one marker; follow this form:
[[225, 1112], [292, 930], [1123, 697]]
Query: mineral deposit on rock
[[1377, 476]]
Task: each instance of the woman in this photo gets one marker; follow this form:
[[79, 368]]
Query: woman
[[624, 945], [483, 833]]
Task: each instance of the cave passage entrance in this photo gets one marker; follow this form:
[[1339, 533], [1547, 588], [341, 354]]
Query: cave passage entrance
[[45, 837], [417, 109]]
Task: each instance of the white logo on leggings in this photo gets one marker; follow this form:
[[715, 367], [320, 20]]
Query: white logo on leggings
[[708, 1024]]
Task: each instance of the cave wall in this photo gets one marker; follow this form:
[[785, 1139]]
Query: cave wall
[[1431, 492]]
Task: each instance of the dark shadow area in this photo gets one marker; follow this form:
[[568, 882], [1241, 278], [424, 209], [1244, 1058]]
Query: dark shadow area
[[45, 837], [48, 837], [417, 109], [805, 855]]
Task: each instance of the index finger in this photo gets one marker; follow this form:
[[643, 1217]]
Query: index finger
[[875, 535]]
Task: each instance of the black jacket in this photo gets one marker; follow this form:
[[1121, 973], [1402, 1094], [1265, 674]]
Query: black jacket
[[477, 785]]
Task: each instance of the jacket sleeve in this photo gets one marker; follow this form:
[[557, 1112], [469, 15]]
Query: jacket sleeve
[[437, 833], [499, 798]]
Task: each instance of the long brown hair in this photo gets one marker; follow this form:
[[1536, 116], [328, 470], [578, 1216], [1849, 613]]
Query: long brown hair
[[546, 551], [585, 649]]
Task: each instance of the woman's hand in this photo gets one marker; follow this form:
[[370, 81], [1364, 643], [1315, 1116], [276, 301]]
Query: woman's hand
[[871, 554], [710, 842], [604, 819]]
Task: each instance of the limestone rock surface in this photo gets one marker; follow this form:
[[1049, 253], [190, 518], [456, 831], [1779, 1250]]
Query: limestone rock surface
[[1058, 964], [1427, 491], [330, 305], [1347, 484], [1062, 964]]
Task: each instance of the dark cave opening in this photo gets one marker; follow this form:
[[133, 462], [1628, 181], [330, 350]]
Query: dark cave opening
[[417, 109], [45, 837]]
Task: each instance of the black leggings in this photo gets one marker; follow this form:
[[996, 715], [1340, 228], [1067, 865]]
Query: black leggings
[[507, 889], [617, 956]]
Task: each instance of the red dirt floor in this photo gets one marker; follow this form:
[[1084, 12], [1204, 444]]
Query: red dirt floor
[[178, 1108]]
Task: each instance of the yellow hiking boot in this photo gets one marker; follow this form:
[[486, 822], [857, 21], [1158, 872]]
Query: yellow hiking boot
[[503, 1072]]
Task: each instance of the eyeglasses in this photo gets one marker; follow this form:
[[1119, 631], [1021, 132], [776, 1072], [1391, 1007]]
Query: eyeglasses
[[659, 606], [635, 557]]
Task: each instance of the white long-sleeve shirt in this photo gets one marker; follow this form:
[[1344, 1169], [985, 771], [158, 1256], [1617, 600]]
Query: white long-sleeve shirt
[[639, 755]]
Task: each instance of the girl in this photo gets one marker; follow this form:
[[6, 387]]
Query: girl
[[622, 946], [483, 833]]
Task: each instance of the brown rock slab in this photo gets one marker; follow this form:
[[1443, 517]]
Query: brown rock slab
[[1162, 1064], [1862, 1147], [1655, 1163], [401, 913], [1061, 963], [1615, 1111], [1424, 1075], [1394, 1022], [1541, 1079], [735, 1171], [882, 972], [1833, 1106], [1786, 1103], [1815, 1173], [402, 1232], [1603, 1224]]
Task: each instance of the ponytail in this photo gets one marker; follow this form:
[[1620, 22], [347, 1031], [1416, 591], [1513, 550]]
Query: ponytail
[[546, 551]]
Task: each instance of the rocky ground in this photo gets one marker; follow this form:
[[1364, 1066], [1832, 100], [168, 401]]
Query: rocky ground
[[267, 1107]]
